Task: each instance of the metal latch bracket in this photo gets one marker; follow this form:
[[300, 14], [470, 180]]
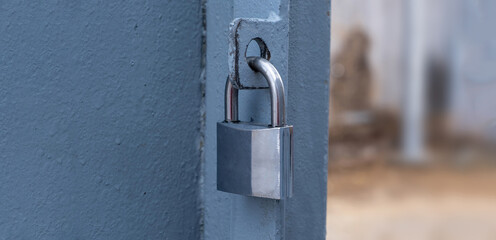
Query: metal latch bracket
[[272, 35]]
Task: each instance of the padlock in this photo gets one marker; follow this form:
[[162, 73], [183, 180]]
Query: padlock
[[256, 159]]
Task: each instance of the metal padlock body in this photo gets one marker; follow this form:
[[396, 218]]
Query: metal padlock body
[[255, 160]]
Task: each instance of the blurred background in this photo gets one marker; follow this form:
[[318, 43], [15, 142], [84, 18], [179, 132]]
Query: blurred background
[[412, 120]]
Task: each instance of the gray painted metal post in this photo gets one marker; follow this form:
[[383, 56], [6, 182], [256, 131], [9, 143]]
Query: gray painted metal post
[[229, 216], [308, 111]]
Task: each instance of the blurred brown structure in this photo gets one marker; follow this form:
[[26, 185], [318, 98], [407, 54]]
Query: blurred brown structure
[[352, 79], [357, 129]]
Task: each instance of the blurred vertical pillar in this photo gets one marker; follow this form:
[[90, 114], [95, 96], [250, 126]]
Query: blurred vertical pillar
[[414, 91]]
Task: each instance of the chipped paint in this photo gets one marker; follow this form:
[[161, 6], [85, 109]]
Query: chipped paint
[[273, 31]]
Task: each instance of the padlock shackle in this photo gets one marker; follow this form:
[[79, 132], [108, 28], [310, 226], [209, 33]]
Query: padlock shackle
[[231, 102], [276, 87]]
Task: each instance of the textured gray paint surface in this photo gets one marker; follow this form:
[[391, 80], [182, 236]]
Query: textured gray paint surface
[[99, 119], [229, 216], [308, 101]]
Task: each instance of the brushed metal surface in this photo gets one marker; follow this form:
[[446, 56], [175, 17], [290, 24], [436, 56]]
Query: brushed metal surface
[[254, 160]]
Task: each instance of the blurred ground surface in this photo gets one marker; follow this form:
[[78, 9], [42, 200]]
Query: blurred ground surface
[[390, 202]]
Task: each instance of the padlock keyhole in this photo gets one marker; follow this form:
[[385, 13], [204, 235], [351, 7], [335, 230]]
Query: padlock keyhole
[[257, 47]]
